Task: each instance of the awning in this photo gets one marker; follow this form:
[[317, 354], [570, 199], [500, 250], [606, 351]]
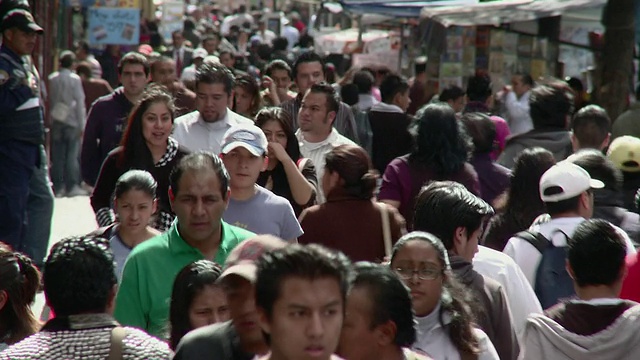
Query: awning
[[499, 12], [398, 8]]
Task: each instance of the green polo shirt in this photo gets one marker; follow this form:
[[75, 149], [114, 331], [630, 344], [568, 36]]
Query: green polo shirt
[[147, 279]]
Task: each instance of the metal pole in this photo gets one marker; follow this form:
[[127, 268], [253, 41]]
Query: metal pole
[[401, 48], [360, 31]]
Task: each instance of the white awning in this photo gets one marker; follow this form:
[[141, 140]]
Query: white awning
[[500, 12]]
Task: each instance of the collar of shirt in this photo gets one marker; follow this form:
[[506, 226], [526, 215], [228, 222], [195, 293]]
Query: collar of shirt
[[333, 136], [598, 301], [432, 320], [366, 101], [177, 245], [223, 123], [388, 108], [80, 322], [172, 150], [6, 50]]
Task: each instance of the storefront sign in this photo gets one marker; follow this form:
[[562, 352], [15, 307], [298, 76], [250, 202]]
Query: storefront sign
[[172, 18], [117, 26]]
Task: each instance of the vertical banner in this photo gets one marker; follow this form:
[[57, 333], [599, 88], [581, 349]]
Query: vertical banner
[[172, 19], [117, 26]]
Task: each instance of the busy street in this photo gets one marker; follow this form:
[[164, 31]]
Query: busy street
[[319, 180]]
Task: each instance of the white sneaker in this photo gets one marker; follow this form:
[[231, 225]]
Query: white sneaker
[[77, 191]]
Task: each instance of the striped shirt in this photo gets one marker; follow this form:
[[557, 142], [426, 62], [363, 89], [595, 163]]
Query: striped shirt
[[344, 123], [317, 152]]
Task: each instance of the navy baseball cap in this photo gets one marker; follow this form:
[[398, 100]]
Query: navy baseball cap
[[247, 136], [21, 19]]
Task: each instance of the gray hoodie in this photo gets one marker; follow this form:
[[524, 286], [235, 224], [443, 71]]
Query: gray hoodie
[[556, 141], [548, 340]]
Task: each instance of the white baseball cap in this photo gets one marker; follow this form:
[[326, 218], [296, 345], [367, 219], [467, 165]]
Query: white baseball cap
[[247, 136], [200, 53], [566, 180]]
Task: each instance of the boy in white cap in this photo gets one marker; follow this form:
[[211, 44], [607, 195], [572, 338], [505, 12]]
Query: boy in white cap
[[566, 191], [252, 207]]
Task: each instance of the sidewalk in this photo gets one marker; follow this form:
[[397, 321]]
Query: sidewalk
[[71, 216]]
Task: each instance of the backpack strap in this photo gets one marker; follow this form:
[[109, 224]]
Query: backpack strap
[[534, 238], [117, 337], [386, 229]]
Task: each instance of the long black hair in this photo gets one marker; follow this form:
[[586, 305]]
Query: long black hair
[[440, 140], [278, 175], [189, 282], [519, 206], [455, 299], [136, 152]]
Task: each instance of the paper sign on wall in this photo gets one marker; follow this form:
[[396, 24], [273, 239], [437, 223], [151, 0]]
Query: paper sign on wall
[[117, 26]]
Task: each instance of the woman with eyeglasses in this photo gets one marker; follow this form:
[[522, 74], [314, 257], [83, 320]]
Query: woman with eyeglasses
[[441, 304]]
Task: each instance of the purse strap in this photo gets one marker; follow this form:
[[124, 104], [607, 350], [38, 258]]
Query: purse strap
[[386, 229], [117, 337]]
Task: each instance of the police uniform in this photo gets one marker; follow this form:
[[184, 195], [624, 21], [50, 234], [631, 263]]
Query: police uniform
[[21, 130]]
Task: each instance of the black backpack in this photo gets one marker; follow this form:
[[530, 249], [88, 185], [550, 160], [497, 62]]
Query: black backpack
[[553, 282]]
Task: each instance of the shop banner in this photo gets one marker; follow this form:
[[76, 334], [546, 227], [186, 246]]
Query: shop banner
[[117, 26], [107, 3], [389, 60], [172, 19]]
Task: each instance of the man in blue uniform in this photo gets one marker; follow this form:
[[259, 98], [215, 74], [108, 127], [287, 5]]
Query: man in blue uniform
[[21, 123]]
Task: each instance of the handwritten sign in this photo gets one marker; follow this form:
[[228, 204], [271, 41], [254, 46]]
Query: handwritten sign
[[172, 18], [118, 26], [389, 59]]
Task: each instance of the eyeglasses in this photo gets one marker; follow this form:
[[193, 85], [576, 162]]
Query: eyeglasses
[[423, 274]]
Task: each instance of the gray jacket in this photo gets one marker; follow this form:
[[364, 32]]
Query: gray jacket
[[556, 141], [220, 340]]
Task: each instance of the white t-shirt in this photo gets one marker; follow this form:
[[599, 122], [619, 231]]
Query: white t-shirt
[[520, 295], [317, 152], [195, 134], [528, 257]]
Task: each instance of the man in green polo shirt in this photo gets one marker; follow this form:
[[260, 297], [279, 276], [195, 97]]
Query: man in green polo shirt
[[199, 195]]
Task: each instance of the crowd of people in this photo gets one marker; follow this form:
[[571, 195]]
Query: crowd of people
[[250, 207]]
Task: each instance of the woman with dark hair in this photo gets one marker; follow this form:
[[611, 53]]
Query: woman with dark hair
[[349, 220], [146, 145], [379, 320], [520, 204], [288, 174], [443, 307], [19, 282], [196, 300], [441, 152], [246, 99]]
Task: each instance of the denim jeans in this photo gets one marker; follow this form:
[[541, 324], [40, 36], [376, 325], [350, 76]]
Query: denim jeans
[[65, 148], [18, 160], [39, 212]]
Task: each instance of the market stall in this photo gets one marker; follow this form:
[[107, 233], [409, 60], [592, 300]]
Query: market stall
[[502, 38]]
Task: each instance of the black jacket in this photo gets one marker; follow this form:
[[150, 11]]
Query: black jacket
[[219, 339]]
